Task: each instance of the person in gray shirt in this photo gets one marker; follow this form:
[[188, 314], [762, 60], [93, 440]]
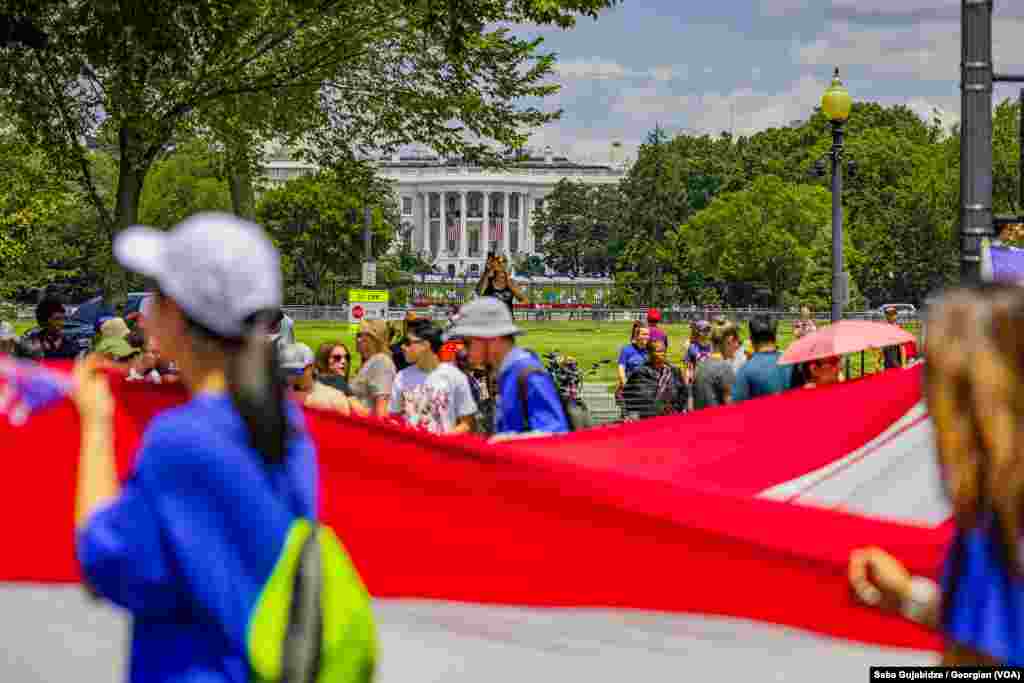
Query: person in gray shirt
[[712, 385]]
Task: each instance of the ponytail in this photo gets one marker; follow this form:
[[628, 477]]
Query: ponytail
[[257, 392]]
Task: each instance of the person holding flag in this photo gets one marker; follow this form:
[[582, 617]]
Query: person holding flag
[[213, 544]]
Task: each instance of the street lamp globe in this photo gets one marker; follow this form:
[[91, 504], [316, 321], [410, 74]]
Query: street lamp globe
[[836, 102]]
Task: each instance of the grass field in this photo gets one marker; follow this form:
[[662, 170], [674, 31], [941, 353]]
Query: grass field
[[589, 342]]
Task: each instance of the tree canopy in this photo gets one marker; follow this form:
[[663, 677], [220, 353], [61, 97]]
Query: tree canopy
[[317, 223], [344, 77]]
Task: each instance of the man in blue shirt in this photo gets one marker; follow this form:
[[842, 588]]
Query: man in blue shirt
[[762, 375], [490, 335]]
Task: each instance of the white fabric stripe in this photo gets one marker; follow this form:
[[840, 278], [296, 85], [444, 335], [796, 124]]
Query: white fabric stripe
[[55, 633], [901, 459]]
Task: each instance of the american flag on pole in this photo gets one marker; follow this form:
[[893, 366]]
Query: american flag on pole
[[497, 228], [453, 230]]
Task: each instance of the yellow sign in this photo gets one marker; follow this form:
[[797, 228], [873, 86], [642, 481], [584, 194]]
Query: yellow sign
[[368, 296]]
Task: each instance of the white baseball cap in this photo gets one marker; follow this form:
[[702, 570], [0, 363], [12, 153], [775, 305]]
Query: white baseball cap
[[219, 268], [295, 358]]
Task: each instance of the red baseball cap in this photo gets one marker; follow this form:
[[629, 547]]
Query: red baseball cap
[[653, 315]]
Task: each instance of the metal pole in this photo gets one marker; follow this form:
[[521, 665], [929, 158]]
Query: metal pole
[[367, 234], [838, 293], [975, 134]]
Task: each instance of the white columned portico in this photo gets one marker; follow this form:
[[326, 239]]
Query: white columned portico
[[443, 237], [506, 244], [485, 230], [524, 222], [424, 227], [463, 237]]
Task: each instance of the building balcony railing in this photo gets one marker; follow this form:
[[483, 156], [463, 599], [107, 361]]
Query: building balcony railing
[[497, 173]]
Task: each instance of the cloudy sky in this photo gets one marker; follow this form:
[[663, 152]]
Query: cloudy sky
[[747, 65]]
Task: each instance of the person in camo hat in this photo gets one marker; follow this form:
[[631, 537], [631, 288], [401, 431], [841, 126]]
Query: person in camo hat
[[113, 341]]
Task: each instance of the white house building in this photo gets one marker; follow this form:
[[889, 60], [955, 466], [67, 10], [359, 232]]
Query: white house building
[[455, 214]]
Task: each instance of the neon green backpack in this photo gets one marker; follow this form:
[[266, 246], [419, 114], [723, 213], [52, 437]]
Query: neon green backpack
[[312, 622]]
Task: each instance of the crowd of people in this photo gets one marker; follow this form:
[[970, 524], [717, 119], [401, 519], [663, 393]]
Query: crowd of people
[[716, 369], [470, 377], [454, 380]]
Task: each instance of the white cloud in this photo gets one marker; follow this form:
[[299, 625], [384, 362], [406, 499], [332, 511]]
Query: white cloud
[[587, 146], [743, 110], [927, 50], [670, 72], [594, 68], [601, 69]]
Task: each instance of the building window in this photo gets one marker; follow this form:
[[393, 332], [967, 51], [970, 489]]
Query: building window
[[451, 270], [513, 205], [474, 269], [539, 204], [475, 204], [435, 205], [406, 206]]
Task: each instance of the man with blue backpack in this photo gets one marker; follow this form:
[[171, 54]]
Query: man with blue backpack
[[527, 398]]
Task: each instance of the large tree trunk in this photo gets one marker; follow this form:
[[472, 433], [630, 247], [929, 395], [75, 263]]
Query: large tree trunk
[[132, 168], [243, 198], [239, 172]]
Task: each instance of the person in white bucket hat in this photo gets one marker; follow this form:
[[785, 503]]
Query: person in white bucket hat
[[222, 502], [490, 334]]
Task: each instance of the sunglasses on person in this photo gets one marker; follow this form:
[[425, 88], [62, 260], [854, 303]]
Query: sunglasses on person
[[409, 341], [338, 358]]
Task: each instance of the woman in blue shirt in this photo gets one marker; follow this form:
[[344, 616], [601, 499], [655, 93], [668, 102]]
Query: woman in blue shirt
[[974, 392], [212, 543]]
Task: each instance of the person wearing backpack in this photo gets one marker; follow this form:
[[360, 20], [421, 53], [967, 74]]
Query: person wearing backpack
[[213, 544], [527, 399]]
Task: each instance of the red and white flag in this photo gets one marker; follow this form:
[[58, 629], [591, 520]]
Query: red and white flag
[[703, 543], [453, 230], [497, 231]]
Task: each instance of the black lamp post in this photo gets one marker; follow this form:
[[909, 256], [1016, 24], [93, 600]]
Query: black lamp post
[[836, 104]]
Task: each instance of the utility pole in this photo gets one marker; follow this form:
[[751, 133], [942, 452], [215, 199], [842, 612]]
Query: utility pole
[[976, 219], [369, 265]]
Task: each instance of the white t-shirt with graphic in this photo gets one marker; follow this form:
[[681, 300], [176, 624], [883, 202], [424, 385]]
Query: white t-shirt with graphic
[[434, 402]]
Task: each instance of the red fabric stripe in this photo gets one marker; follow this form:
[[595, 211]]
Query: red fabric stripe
[[749, 447], [449, 518]]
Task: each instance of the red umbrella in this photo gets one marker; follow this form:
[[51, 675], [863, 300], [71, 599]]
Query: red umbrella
[[845, 336]]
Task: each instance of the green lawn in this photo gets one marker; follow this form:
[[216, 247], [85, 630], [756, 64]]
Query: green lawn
[[589, 342]]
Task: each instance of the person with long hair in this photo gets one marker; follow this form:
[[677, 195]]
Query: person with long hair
[[496, 282], [213, 543], [373, 383], [333, 365], [974, 390], [300, 376]]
